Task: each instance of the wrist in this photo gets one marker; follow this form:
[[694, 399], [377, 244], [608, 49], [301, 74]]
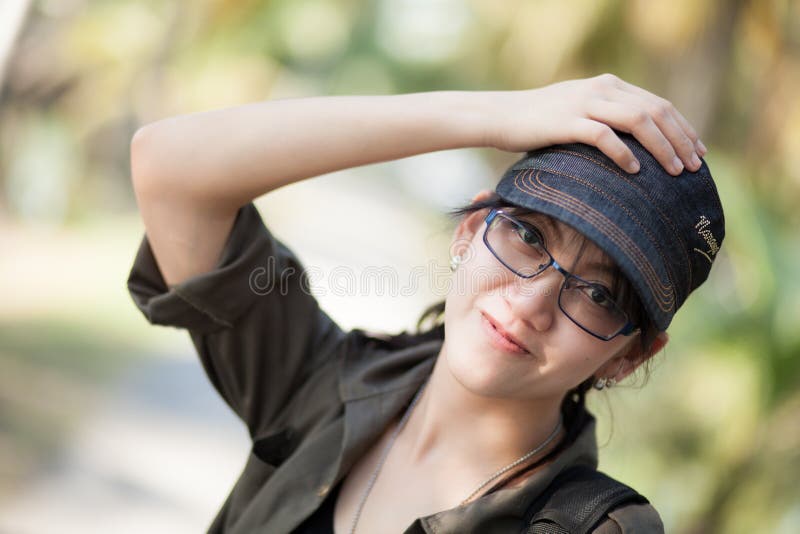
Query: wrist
[[484, 107], [462, 115]]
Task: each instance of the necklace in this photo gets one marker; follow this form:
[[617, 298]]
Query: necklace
[[400, 426]]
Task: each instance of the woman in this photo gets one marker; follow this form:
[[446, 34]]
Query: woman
[[574, 266]]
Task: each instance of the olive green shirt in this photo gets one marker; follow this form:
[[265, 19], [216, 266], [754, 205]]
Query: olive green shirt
[[314, 397]]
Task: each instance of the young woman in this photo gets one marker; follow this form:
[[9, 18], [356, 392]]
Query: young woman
[[565, 277]]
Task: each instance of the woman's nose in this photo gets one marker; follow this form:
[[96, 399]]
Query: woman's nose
[[536, 299]]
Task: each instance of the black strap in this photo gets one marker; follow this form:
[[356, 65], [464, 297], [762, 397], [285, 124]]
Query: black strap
[[576, 501]]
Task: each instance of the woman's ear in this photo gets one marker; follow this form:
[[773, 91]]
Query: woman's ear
[[624, 364], [470, 224]]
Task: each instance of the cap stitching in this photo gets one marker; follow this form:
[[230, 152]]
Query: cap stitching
[[626, 243], [664, 299], [631, 215], [645, 193], [607, 223], [661, 293], [646, 268]]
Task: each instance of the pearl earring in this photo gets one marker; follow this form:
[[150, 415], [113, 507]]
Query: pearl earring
[[454, 261], [600, 383]]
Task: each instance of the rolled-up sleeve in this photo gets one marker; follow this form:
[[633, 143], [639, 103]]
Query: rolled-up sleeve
[[257, 328]]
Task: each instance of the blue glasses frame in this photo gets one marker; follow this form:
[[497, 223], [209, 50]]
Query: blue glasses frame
[[627, 329]]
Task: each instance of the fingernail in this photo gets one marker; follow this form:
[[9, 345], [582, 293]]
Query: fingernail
[[677, 164], [633, 167], [696, 161], [701, 147]]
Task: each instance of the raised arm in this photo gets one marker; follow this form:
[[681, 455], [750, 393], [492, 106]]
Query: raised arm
[[191, 173]]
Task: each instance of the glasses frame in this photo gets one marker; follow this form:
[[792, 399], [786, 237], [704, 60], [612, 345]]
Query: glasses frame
[[627, 329]]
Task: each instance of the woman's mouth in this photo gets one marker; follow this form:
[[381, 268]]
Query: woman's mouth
[[499, 340]]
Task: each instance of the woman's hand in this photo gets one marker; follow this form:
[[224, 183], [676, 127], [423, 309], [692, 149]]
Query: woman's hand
[[585, 111]]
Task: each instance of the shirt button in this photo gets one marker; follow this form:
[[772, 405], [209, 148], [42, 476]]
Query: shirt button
[[323, 490]]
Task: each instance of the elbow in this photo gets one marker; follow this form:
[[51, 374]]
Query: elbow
[[166, 169], [152, 173], [143, 172], [157, 176]]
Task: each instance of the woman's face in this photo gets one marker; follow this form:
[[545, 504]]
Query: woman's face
[[559, 354]]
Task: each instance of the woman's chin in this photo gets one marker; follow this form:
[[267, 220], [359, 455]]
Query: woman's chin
[[481, 364], [480, 372]]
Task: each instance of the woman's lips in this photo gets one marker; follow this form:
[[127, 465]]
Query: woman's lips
[[499, 340]]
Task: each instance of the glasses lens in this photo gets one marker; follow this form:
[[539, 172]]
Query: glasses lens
[[518, 246], [592, 306]]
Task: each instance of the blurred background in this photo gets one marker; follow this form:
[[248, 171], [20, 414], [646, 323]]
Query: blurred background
[[108, 424]]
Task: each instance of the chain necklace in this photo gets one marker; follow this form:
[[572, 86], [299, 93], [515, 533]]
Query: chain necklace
[[400, 426]]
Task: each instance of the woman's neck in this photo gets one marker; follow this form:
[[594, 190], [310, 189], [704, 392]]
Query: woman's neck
[[471, 432]]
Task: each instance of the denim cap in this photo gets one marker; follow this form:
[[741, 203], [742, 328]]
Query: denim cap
[[663, 231]]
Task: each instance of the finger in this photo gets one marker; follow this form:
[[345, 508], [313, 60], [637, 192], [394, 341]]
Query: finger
[[639, 123], [660, 111], [688, 129], [601, 135], [677, 116], [691, 132]]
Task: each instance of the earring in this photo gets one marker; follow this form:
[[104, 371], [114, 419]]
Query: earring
[[612, 381], [454, 261], [600, 383]]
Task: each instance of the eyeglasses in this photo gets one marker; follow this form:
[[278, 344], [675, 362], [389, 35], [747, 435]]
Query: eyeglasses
[[519, 246]]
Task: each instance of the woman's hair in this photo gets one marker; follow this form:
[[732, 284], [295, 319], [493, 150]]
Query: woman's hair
[[431, 322]]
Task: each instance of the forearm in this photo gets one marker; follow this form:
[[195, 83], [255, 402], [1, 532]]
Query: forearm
[[192, 173], [231, 156]]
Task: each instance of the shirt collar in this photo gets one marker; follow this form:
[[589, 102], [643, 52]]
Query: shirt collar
[[377, 380]]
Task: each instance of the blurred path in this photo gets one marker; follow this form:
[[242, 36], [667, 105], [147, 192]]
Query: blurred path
[[159, 454]]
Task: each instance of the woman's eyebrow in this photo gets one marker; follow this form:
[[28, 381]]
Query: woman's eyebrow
[[553, 229]]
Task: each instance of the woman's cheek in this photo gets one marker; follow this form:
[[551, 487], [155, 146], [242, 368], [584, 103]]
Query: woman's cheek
[[486, 277], [581, 358]]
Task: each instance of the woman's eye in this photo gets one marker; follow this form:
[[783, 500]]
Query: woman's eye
[[600, 296], [529, 237]]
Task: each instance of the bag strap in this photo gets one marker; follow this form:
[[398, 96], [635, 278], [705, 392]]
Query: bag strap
[[576, 501]]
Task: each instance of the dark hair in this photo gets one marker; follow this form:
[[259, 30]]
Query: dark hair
[[431, 324]]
